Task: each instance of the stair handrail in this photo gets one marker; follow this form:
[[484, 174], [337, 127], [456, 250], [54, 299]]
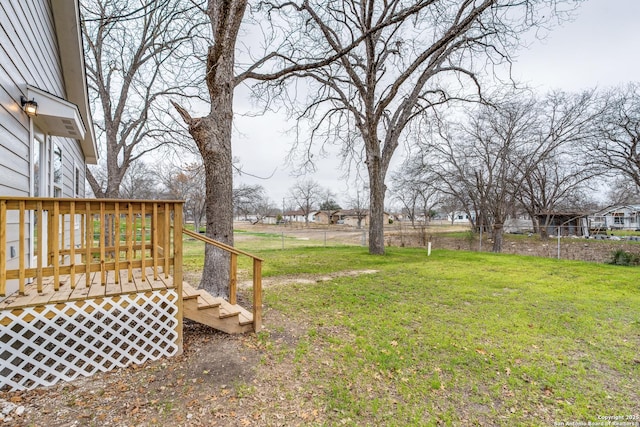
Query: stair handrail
[[233, 274]]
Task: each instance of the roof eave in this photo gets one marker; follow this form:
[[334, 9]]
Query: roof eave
[[66, 15]]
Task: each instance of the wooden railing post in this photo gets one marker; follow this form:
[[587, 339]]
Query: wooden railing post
[[104, 225], [49, 239], [154, 240], [39, 246], [166, 227], [54, 236], [233, 279], [177, 267], [257, 295], [22, 248], [88, 216], [131, 235], [116, 241], [72, 243], [143, 233]]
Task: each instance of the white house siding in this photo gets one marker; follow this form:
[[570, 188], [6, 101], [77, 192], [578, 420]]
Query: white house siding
[[29, 55]]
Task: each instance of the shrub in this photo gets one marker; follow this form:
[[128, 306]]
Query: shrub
[[622, 257]]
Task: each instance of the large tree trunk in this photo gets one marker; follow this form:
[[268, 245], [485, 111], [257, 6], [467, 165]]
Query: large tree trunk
[[219, 205], [212, 135], [498, 232], [376, 207]]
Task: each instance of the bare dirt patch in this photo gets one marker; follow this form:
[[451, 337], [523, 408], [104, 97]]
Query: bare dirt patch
[[305, 278]]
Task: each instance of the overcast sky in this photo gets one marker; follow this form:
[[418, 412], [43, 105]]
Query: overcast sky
[[600, 47]]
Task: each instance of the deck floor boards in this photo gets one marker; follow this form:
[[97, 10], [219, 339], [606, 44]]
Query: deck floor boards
[[96, 290]]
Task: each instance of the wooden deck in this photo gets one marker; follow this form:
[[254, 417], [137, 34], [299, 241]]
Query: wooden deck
[[80, 292], [108, 248]]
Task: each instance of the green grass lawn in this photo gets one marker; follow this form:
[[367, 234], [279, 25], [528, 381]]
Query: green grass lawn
[[460, 338]]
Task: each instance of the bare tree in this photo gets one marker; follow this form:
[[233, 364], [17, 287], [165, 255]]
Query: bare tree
[[306, 194], [246, 199], [396, 61], [519, 152], [187, 183], [329, 205], [139, 182], [212, 132], [618, 148], [623, 191], [416, 187], [359, 207], [134, 62], [552, 165], [264, 208], [380, 38], [478, 161], [406, 193]]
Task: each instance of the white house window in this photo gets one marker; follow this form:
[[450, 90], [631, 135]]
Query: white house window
[[77, 182], [57, 171], [37, 146]]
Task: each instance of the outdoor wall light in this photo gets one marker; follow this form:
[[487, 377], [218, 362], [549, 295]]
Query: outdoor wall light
[[29, 107]]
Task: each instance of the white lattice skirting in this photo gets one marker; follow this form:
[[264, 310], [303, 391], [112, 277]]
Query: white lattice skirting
[[46, 344]]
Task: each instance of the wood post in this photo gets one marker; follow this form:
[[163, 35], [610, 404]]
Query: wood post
[[154, 241], [177, 268], [233, 279], [72, 243], [39, 246], [166, 227], [104, 224], [143, 233], [257, 295], [116, 241], [131, 222], [89, 242], [54, 236], [21, 248]]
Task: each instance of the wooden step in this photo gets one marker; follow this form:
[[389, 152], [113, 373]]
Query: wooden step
[[245, 317], [207, 301], [228, 310], [202, 307], [188, 292]]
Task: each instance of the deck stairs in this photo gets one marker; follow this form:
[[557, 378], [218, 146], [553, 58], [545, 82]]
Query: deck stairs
[[202, 307]]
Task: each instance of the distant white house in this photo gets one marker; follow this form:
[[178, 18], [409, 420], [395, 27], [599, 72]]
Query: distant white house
[[459, 217], [296, 216], [626, 217]]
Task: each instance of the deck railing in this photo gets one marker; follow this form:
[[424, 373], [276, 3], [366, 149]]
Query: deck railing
[[47, 237], [233, 275]]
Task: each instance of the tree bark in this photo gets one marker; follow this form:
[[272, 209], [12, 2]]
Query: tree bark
[[498, 231], [219, 190], [212, 135], [376, 207]]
